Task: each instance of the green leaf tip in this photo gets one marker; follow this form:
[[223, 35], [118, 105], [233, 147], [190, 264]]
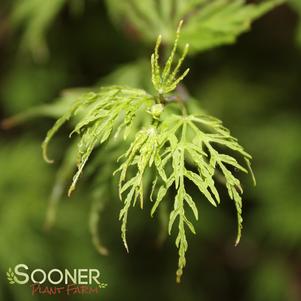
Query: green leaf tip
[[166, 81], [248, 162], [45, 153]]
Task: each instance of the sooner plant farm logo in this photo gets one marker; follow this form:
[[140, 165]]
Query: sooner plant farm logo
[[56, 281]]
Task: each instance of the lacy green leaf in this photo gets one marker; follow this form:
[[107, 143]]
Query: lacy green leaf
[[111, 109], [164, 147]]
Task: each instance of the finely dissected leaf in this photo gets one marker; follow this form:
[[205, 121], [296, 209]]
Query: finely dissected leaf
[[165, 151], [198, 161], [139, 157], [110, 109], [195, 160], [132, 196], [165, 81]]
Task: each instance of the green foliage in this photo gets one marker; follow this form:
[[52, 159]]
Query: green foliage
[[244, 87], [296, 5], [181, 148], [166, 81], [220, 22], [168, 147], [103, 110], [35, 19], [208, 23]]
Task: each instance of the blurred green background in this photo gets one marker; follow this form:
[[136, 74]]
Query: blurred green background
[[253, 86]]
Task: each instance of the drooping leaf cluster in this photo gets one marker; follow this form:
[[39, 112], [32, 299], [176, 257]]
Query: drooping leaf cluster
[[167, 148], [110, 108]]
